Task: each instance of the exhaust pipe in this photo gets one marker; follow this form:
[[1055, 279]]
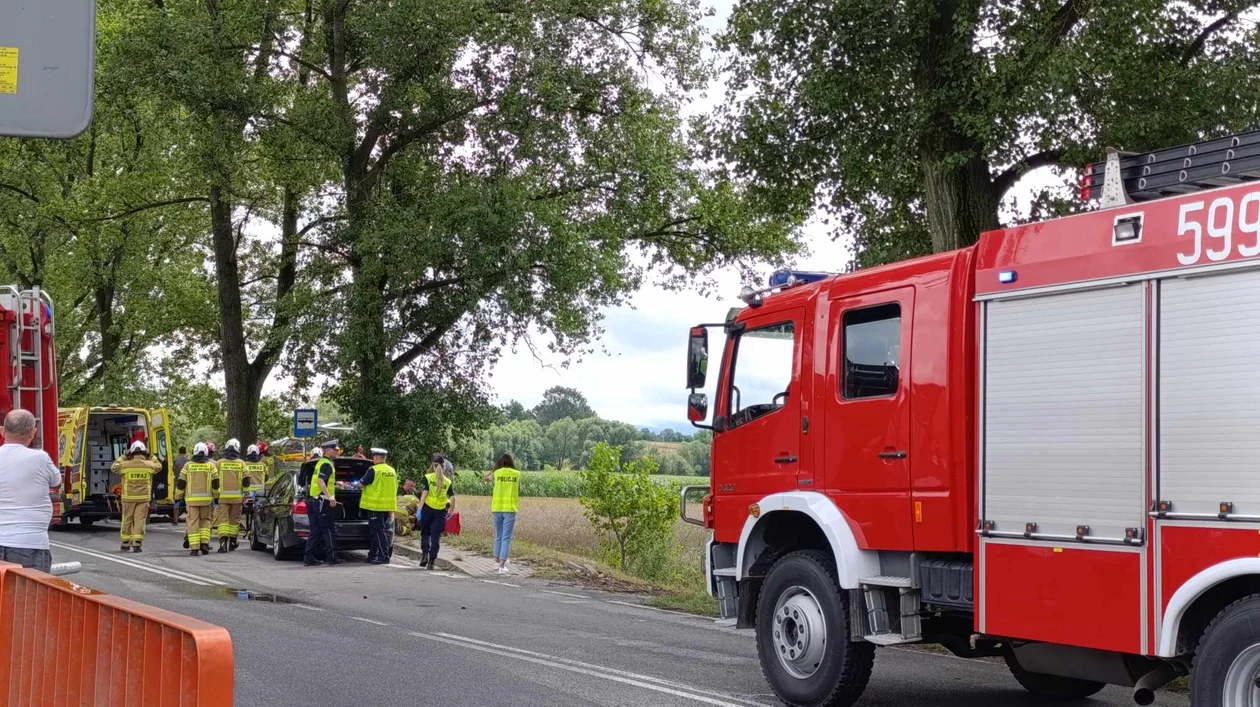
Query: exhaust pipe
[[61, 569], [1144, 690]]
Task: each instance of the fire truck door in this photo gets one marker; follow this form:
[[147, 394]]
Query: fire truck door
[[758, 446], [866, 455]]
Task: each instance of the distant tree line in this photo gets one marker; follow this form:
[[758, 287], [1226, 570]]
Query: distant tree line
[[563, 431]]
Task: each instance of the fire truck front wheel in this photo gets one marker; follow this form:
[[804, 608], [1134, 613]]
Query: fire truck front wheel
[[803, 634]]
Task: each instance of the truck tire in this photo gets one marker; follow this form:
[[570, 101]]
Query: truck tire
[[1051, 687], [1227, 662], [86, 522], [803, 634]]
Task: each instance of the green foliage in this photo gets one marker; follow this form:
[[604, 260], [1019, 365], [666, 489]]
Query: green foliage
[[635, 514], [909, 122], [559, 402], [552, 483]]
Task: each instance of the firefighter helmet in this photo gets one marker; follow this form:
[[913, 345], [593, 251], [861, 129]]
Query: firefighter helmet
[[253, 449], [137, 447], [202, 449], [233, 444]]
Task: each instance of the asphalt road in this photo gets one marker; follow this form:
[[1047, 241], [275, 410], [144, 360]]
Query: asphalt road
[[398, 635]]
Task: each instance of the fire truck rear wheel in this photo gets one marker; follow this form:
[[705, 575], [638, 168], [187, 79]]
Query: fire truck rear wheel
[[1053, 687], [1226, 669], [803, 634]]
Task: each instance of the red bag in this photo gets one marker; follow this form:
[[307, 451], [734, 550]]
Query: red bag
[[452, 524]]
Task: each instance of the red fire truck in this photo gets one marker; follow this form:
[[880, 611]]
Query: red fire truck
[[1044, 447], [28, 369]]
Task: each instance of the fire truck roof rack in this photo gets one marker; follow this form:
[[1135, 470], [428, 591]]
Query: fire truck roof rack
[[1127, 177]]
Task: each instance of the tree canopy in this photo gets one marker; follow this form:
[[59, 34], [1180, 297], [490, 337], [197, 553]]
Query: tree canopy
[[908, 122]]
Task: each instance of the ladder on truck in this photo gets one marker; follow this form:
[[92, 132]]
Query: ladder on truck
[[31, 323], [1129, 177]]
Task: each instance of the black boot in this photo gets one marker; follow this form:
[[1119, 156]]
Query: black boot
[[424, 559], [185, 541], [205, 549], [232, 544], [125, 547], [135, 548], [194, 553], [223, 543], [431, 561]]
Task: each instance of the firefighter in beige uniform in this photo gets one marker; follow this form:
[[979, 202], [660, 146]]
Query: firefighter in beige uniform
[[137, 472], [198, 484], [233, 479]]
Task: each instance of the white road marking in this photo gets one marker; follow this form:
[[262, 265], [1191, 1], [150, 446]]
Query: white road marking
[[136, 564], [646, 682], [653, 608], [564, 594], [367, 621], [308, 607], [505, 584]]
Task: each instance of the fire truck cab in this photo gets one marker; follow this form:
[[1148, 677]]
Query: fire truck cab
[[1044, 447]]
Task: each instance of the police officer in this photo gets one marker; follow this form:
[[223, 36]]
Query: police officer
[[233, 479], [321, 504], [137, 490], [380, 498], [197, 485], [256, 476]]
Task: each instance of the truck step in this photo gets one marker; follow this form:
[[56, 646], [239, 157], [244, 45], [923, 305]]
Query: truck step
[[724, 572], [888, 581], [889, 639]]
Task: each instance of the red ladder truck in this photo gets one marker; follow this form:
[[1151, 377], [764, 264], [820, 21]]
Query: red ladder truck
[[28, 368], [1044, 447]]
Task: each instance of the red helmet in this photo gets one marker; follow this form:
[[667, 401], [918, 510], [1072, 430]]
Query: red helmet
[[262, 447]]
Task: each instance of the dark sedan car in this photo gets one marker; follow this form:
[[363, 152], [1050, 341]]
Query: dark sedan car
[[279, 517]]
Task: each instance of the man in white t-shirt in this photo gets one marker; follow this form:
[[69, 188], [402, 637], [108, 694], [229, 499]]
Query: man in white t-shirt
[[26, 476]]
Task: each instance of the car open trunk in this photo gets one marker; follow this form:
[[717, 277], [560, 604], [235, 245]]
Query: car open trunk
[[350, 522]]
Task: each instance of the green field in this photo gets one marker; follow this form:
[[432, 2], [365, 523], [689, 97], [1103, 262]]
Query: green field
[[555, 484]]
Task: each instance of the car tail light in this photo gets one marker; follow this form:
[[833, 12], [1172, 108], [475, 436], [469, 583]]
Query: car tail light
[[299, 508]]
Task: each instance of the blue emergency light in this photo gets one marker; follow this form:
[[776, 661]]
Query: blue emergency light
[[1006, 277], [781, 278]]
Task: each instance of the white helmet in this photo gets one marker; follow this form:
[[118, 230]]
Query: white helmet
[[234, 444], [202, 449], [137, 447], [253, 449], [316, 453]]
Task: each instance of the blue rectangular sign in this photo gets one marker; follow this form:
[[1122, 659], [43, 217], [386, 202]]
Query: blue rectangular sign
[[305, 423]]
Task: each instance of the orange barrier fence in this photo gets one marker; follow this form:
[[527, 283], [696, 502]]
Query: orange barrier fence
[[63, 644]]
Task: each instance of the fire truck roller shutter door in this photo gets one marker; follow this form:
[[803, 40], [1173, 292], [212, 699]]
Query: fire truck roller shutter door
[[1209, 393], [852, 563], [1064, 413]]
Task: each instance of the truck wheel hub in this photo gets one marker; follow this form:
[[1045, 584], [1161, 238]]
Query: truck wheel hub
[[1242, 680], [800, 632]]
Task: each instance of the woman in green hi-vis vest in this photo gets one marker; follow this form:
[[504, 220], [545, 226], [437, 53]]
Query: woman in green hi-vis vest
[[503, 506]]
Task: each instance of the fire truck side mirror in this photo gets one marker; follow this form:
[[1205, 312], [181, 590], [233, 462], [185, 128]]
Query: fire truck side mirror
[[697, 407], [697, 357]]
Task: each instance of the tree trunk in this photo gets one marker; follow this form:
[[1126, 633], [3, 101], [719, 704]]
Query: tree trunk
[[238, 375], [960, 201]]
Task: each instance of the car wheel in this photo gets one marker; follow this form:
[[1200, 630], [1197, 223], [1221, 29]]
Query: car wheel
[[1050, 687], [86, 522], [255, 543], [803, 635]]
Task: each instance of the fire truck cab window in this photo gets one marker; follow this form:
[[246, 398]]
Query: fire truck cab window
[[872, 351], [763, 371]]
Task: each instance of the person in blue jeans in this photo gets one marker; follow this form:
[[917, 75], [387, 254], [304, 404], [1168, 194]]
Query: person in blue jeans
[[504, 504]]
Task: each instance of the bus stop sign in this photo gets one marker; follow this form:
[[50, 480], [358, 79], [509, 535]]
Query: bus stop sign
[[47, 57], [305, 422]]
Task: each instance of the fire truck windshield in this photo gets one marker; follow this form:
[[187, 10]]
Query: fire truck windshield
[[763, 370]]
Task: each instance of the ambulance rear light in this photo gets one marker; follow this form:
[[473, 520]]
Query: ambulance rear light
[[299, 508]]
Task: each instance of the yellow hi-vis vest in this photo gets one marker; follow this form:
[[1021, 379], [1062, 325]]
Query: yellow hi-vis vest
[[198, 490], [507, 491], [313, 490], [257, 473], [437, 501], [382, 493], [137, 477], [231, 471]]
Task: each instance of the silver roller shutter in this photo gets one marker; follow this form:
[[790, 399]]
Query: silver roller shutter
[[1209, 403], [1063, 440]]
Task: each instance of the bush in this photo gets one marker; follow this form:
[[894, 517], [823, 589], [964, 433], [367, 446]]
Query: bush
[[635, 514]]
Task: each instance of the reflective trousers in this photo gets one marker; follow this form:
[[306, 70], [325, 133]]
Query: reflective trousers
[[135, 515]]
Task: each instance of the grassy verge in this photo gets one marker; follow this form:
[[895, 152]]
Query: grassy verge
[[555, 538]]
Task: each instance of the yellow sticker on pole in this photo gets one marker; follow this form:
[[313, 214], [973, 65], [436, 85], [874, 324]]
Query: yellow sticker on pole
[[8, 69]]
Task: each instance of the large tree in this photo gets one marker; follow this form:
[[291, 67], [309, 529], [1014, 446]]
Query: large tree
[[559, 402], [504, 166], [911, 120]]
